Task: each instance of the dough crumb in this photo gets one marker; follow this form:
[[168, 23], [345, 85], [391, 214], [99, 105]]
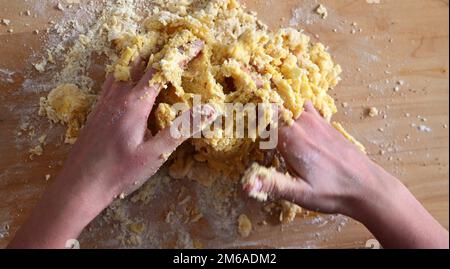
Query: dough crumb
[[165, 156], [373, 112], [197, 244], [137, 227], [38, 150], [322, 11], [68, 105], [40, 67], [59, 7], [5, 22], [244, 226], [288, 211]]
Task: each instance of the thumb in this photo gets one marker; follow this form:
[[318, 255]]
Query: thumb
[[260, 182], [169, 139]]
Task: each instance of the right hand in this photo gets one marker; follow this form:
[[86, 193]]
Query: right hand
[[329, 173]]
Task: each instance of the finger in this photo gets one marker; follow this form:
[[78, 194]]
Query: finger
[[137, 69], [169, 139], [145, 94], [258, 82], [192, 51], [107, 86], [108, 82], [148, 93], [197, 47], [260, 182], [144, 82], [310, 109]]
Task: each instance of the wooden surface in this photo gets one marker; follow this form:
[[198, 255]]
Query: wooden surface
[[400, 40]]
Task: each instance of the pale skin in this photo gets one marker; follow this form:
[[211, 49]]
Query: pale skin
[[115, 154], [331, 175]]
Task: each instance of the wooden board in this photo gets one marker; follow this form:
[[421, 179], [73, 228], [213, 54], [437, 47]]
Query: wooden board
[[400, 40]]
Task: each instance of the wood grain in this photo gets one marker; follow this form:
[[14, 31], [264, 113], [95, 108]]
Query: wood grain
[[401, 40]]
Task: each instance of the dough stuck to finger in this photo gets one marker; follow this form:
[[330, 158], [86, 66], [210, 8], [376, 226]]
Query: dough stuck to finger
[[256, 180], [252, 181]]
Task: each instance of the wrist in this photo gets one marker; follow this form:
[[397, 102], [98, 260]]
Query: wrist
[[397, 219], [66, 208], [377, 192], [87, 191]]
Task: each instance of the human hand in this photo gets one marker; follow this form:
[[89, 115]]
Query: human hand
[[115, 149], [328, 173], [115, 154], [331, 175]]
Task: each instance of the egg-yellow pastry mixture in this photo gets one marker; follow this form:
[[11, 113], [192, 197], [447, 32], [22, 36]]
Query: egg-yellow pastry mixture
[[242, 61]]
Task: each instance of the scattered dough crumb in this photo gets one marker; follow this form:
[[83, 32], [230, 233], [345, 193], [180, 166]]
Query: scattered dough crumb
[[68, 105], [38, 150], [288, 211], [60, 7], [244, 225], [5, 22], [40, 66], [373, 112], [165, 156], [322, 11]]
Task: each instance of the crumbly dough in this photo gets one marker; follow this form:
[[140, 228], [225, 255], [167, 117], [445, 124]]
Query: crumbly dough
[[287, 210], [322, 11], [373, 112], [242, 61], [68, 105], [250, 177]]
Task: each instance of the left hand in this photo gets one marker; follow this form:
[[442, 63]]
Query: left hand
[[115, 154]]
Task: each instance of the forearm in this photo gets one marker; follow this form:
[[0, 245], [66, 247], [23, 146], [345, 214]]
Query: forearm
[[397, 219], [65, 210]]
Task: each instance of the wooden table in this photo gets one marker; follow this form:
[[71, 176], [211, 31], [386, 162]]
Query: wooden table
[[401, 40]]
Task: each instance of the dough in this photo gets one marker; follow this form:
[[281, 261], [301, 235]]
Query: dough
[[242, 62], [261, 173], [68, 105], [244, 225]]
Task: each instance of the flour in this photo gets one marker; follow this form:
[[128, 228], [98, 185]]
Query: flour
[[6, 75], [424, 128]]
